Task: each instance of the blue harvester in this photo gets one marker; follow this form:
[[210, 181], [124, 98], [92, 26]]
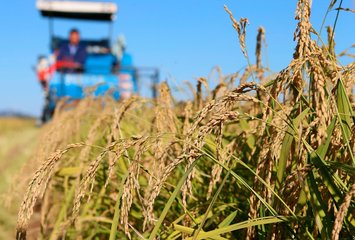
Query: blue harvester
[[103, 71]]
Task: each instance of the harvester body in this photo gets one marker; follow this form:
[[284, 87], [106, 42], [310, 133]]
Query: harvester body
[[102, 73]]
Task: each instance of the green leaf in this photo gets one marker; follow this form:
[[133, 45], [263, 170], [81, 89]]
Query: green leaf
[[211, 205], [170, 201], [242, 225], [228, 220], [116, 216], [243, 182], [345, 114], [69, 171], [323, 149], [286, 146], [327, 178], [319, 207]]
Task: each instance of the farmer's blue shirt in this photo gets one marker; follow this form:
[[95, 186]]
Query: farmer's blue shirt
[[72, 53]]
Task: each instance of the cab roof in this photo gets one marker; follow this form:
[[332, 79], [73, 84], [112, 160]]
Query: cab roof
[[100, 11]]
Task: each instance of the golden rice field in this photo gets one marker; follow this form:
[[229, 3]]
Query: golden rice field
[[17, 142], [260, 156]]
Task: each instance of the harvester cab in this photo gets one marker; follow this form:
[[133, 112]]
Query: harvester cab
[[107, 68]]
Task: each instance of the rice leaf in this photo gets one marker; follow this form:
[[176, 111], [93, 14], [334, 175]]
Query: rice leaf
[[286, 146], [228, 220], [170, 201], [245, 224]]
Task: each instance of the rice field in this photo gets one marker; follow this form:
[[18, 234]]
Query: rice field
[[259, 156], [17, 143]]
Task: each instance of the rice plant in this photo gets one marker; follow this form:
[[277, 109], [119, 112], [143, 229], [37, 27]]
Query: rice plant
[[269, 158]]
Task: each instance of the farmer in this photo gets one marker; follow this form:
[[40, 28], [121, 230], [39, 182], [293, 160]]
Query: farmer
[[71, 56]]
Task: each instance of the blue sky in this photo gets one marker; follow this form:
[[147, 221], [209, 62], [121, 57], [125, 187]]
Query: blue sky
[[184, 38]]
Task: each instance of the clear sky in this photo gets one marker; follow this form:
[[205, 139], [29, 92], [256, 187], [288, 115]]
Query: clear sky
[[184, 38]]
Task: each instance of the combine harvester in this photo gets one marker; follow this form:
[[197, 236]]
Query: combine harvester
[[102, 70]]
